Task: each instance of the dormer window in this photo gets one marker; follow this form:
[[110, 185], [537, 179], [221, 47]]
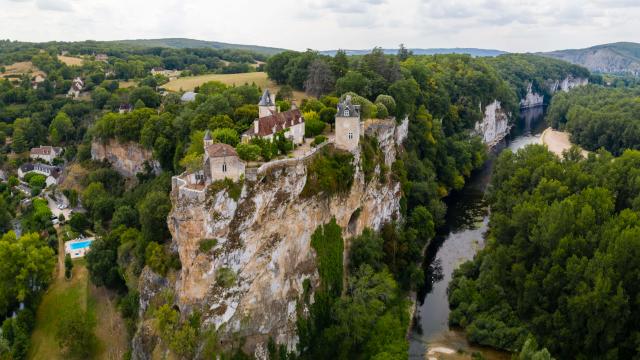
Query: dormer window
[[346, 112], [224, 167]]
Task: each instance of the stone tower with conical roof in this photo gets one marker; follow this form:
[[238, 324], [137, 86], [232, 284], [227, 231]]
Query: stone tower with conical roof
[[267, 104]]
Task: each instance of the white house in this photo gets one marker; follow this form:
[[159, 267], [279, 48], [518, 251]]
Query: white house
[[51, 172], [270, 121], [46, 153], [221, 161], [76, 88], [348, 125]]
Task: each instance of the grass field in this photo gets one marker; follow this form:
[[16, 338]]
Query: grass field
[[70, 60], [77, 293], [19, 68], [258, 78]]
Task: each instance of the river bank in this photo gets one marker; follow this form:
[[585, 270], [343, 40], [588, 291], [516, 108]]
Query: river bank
[[558, 141]]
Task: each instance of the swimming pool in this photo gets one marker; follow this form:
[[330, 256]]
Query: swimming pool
[[80, 245]]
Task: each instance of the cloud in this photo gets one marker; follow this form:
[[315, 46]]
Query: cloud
[[54, 5]]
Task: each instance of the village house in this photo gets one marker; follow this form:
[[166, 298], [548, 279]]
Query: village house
[[171, 74], [125, 108], [46, 153], [102, 57], [36, 81], [271, 121], [76, 88], [348, 125], [221, 161], [51, 172]]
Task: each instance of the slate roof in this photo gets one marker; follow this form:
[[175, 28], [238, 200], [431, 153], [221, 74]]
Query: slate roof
[[220, 150], [188, 96], [346, 105], [53, 171], [266, 100], [277, 122], [45, 150]]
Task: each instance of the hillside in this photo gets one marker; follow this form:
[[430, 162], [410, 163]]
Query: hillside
[[183, 43], [622, 57], [433, 51]]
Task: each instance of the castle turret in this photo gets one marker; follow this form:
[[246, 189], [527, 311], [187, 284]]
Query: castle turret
[[347, 125], [267, 105], [207, 139]]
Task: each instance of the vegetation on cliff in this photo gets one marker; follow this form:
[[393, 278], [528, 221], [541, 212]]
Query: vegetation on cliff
[[560, 261]]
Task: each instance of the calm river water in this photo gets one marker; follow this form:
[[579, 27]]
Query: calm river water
[[457, 242]]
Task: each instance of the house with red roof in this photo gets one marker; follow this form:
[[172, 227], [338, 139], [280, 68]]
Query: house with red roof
[[271, 121]]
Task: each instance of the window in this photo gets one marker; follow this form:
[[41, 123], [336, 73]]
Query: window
[[224, 167], [350, 135], [346, 112]]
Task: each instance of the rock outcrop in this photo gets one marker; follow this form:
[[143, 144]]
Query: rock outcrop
[[127, 159], [494, 126], [532, 99], [566, 84], [263, 243]]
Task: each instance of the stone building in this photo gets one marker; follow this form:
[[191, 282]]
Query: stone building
[[76, 88], [348, 125], [46, 153], [221, 161], [271, 121]]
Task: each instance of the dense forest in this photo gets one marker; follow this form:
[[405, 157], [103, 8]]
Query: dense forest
[[443, 97], [599, 117], [560, 261]]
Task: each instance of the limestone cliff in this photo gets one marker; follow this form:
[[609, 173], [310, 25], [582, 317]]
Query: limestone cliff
[[263, 239], [565, 84], [127, 159], [495, 124], [532, 99]]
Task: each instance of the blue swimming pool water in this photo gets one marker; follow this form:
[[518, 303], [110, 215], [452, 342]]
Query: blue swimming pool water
[[81, 245]]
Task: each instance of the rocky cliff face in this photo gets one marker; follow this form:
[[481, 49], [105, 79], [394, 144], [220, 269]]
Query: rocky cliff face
[[566, 84], [532, 99], [494, 126], [127, 159], [263, 239]]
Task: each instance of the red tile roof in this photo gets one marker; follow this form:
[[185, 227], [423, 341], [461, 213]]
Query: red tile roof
[[220, 150], [280, 121], [43, 150]]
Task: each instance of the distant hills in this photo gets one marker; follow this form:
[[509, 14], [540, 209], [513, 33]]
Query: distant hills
[[434, 51], [183, 43], [618, 58]]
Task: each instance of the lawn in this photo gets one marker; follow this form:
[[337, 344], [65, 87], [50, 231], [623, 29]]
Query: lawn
[[78, 293], [259, 78]]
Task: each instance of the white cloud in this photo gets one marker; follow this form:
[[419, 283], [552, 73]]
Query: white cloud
[[513, 25]]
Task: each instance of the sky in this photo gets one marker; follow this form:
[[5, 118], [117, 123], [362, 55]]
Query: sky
[[510, 25]]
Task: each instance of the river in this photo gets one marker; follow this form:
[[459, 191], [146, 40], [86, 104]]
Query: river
[[456, 242]]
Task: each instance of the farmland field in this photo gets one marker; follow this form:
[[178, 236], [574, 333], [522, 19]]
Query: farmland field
[[70, 60], [258, 78], [19, 68]]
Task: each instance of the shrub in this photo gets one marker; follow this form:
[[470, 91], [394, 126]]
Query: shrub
[[318, 140], [207, 244], [388, 101], [283, 105], [312, 124], [226, 136], [234, 189], [371, 157], [381, 111], [225, 277], [328, 244], [312, 105], [248, 152]]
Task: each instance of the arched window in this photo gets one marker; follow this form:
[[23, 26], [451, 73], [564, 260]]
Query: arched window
[[350, 135], [224, 167], [346, 112]]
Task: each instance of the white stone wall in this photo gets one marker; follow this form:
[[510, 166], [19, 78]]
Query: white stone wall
[[297, 132], [344, 127], [234, 168]]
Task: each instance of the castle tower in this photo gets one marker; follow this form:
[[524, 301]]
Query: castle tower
[[267, 104], [347, 125], [207, 139]]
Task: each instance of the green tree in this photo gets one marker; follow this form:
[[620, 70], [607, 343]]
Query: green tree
[[320, 80], [61, 128], [152, 213], [225, 136], [248, 152], [353, 81], [68, 266], [75, 334]]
